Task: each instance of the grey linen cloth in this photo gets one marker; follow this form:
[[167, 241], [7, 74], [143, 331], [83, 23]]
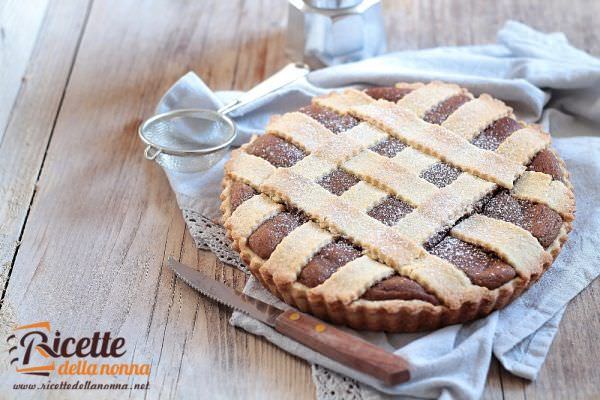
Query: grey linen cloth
[[544, 79]]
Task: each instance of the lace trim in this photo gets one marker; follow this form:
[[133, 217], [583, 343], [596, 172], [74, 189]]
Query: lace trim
[[211, 236], [333, 386]]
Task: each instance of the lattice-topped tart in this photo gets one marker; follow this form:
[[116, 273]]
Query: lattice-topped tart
[[399, 208]]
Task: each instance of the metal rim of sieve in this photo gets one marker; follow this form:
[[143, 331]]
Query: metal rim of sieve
[[153, 150]]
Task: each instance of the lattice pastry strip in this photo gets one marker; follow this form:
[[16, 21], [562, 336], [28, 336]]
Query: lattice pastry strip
[[339, 149], [540, 188], [350, 281], [250, 214], [346, 145], [249, 169], [288, 258], [442, 278], [312, 167], [297, 191], [512, 243], [440, 142], [363, 196], [474, 116], [364, 133], [383, 173], [331, 150], [381, 242], [300, 129], [414, 159], [317, 165], [410, 86], [444, 208], [428, 96], [342, 102], [523, 144]]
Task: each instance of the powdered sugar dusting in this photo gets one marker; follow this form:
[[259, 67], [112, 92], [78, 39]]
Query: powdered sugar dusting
[[505, 207], [538, 219], [483, 268], [338, 181], [390, 210], [440, 174], [330, 119], [442, 111], [496, 133], [389, 147]]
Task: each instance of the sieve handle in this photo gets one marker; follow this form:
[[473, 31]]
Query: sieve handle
[[288, 74], [151, 153]]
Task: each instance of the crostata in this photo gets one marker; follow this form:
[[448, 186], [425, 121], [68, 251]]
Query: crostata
[[400, 208]]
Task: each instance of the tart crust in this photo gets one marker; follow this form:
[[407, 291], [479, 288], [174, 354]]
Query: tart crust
[[388, 315]]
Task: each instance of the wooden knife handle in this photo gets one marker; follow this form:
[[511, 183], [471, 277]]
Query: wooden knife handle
[[342, 347]]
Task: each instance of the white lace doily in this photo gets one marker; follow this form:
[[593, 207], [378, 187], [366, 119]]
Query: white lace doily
[[211, 236]]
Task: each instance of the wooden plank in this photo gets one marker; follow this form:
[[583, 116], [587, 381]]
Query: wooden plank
[[20, 22], [209, 353], [493, 386], [23, 148], [512, 387], [103, 220]]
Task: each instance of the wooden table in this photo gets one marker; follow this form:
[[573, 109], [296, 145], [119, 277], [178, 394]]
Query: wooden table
[[87, 224]]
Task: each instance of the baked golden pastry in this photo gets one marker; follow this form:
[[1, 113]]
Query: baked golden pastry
[[399, 208]]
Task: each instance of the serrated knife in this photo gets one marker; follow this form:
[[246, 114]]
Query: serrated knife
[[338, 345]]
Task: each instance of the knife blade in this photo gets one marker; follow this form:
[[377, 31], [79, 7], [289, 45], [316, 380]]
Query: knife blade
[[223, 294], [336, 344]]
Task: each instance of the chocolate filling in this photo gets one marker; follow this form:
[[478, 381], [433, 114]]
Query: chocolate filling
[[275, 150], [442, 111], [239, 192], [389, 147], [390, 210], [398, 287], [482, 268], [435, 239], [338, 181], [271, 232], [477, 208], [331, 120], [545, 161], [328, 260], [496, 133], [480, 204], [440, 174], [389, 93], [539, 219]]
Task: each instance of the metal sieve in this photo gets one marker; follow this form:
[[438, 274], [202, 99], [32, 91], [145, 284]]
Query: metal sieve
[[193, 140]]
